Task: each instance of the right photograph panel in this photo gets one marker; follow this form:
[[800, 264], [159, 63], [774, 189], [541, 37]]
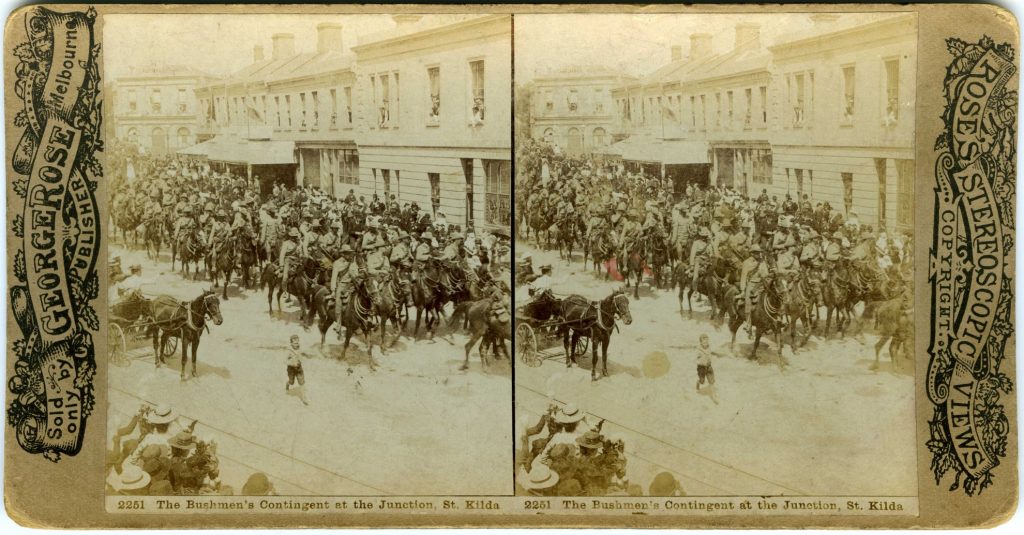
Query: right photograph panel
[[713, 225]]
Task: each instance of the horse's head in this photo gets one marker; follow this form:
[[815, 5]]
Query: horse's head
[[621, 304], [212, 307]]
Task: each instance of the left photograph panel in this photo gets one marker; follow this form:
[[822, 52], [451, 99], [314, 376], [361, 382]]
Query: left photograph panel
[[308, 252]]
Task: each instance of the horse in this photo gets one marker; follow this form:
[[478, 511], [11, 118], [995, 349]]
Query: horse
[[299, 285], [185, 320], [583, 318], [152, 237], [635, 266], [189, 249], [482, 325], [565, 237], [893, 321], [767, 315], [597, 248], [798, 305], [427, 302], [223, 263], [248, 252], [388, 302], [836, 298], [357, 316]]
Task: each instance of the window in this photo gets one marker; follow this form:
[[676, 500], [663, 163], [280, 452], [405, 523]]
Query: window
[[847, 193], [905, 194], [748, 100], [384, 104], [573, 100], [880, 168], [549, 102], [892, 91], [386, 176], [263, 110], [798, 100], [467, 172], [693, 112], [703, 112], [476, 69], [304, 106], [849, 81], [599, 135], [395, 110], [133, 135], [718, 109], [182, 101], [348, 105], [183, 137], [133, 105], [154, 101], [316, 109], [277, 110], [762, 166], [764, 105], [498, 206], [729, 108], [288, 110], [435, 192], [434, 80], [348, 163], [598, 101]]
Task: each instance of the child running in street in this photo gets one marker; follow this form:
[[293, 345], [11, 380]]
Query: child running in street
[[295, 372], [704, 369]]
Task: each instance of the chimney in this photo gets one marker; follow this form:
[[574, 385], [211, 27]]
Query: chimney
[[748, 36], [406, 19], [328, 37], [284, 45], [821, 19], [257, 53], [677, 52], [700, 45]]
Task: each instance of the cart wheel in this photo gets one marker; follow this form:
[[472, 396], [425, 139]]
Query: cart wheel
[[582, 343], [117, 346], [526, 345], [170, 345]]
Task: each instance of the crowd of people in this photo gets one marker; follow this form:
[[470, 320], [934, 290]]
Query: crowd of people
[[632, 221], [155, 454], [342, 242]]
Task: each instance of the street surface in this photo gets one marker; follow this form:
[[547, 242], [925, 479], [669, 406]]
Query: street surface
[[827, 425], [416, 425]]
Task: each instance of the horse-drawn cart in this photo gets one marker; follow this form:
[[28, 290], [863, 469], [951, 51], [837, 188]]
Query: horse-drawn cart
[[131, 329], [539, 333]]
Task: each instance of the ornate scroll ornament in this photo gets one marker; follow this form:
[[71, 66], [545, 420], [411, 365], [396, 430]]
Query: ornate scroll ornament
[[970, 266], [57, 231]]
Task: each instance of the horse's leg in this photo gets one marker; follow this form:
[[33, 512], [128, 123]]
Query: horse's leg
[[469, 346], [569, 338], [593, 357], [157, 344], [878, 349], [778, 342], [184, 352], [195, 353], [227, 280], [757, 341], [416, 330], [604, 354]]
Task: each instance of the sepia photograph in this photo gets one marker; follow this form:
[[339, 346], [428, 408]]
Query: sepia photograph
[[714, 255], [293, 193]]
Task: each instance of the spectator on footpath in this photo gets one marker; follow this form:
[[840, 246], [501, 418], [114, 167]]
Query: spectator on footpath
[[295, 372]]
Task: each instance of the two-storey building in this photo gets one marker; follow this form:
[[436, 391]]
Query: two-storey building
[[288, 118], [572, 108], [843, 120], [155, 108], [434, 116]]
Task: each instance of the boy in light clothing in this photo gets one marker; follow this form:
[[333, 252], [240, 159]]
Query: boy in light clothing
[[704, 369], [295, 372]]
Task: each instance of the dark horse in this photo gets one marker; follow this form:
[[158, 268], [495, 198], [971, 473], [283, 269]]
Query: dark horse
[[357, 316], [223, 263], [186, 320], [767, 315], [482, 325], [299, 285], [594, 320]]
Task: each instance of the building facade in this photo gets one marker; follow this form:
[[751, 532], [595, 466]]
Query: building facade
[[843, 118], [572, 108], [434, 116], [288, 118], [827, 112], [156, 109]]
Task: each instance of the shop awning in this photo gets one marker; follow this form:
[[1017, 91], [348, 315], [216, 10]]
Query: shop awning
[[199, 149], [236, 150], [668, 152]]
